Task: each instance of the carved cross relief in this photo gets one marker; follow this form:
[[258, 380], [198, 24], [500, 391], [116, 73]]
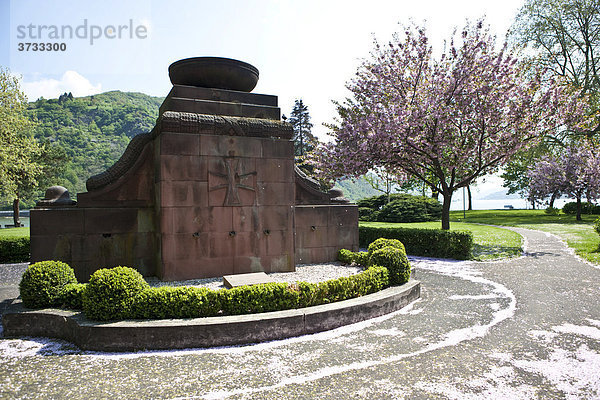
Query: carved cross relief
[[234, 179]]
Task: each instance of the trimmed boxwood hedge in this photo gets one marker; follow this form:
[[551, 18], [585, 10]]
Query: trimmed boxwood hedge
[[71, 296], [423, 242], [42, 283], [388, 253], [395, 261], [122, 293], [14, 249], [110, 293], [175, 302]]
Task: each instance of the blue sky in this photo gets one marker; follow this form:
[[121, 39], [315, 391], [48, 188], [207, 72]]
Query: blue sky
[[303, 49]]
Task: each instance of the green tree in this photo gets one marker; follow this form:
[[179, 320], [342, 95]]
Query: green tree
[[515, 175], [304, 141], [565, 38], [19, 151], [562, 36]]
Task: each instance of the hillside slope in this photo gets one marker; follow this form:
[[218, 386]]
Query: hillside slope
[[93, 130]]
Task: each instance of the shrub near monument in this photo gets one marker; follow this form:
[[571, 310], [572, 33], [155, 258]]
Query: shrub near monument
[[14, 245], [382, 252], [401, 207], [43, 282], [110, 293], [122, 293], [423, 242]]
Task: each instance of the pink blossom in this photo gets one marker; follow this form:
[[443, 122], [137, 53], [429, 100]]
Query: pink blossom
[[444, 121], [573, 171]]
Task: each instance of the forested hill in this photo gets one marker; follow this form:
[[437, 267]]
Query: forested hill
[[356, 189], [93, 130]]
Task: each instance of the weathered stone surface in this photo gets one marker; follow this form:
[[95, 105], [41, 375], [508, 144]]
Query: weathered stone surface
[[198, 122], [128, 183], [220, 108], [253, 278], [191, 92]]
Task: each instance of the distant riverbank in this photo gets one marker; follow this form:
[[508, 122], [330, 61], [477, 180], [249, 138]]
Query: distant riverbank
[[6, 218], [521, 204]]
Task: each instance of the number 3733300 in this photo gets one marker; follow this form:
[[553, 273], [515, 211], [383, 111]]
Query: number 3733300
[[34, 46]]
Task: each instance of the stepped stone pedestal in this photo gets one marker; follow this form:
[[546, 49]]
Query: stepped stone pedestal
[[212, 190]]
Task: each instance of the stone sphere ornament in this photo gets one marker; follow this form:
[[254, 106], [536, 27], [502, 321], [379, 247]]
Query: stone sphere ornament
[[214, 72]]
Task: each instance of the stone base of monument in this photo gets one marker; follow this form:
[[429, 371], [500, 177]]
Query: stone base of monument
[[255, 278], [203, 332]]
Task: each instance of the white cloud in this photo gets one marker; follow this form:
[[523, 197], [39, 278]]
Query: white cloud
[[71, 81]]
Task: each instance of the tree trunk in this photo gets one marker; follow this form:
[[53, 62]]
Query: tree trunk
[[552, 198], [470, 198], [533, 204], [446, 210], [435, 194], [16, 219], [578, 218]]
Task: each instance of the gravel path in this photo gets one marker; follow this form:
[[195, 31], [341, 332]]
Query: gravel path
[[526, 328], [304, 272]]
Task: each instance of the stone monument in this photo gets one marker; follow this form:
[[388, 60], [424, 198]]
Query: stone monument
[[212, 190]]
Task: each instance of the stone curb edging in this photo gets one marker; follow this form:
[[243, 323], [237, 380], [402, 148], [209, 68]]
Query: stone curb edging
[[203, 332]]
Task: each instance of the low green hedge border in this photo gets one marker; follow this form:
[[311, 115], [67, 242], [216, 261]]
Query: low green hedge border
[[423, 242], [121, 293], [195, 302], [14, 249]]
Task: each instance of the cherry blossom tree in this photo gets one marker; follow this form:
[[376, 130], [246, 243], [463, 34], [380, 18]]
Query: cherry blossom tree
[[445, 121], [574, 171]]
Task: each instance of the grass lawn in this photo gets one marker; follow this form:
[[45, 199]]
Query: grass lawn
[[579, 235], [489, 243], [14, 232]]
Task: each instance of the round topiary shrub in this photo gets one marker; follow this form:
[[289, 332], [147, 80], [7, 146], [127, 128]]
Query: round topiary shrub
[[43, 281], [383, 242], [71, 296], [362, 258], [110, 293], [395, 260], [346, 256]]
